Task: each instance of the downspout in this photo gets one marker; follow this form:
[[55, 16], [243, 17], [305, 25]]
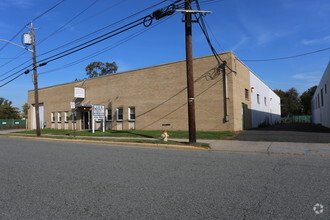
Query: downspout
[[225, 89]]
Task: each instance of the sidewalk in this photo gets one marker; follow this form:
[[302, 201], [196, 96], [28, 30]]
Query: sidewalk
[[317, 149]]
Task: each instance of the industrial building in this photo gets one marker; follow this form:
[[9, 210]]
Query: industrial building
[[321, 101], [155, 98]]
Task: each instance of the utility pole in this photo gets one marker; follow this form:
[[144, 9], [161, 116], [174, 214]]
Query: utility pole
[[190, 75], [35, 80]]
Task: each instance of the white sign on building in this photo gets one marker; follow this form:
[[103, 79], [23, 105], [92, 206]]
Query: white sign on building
[[98, 112], [79, 92]]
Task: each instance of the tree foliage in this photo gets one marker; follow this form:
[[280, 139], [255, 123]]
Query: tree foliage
[[96, 69], [25, 109], [293, 104], [7, 111], [290, 102], [306, 99]]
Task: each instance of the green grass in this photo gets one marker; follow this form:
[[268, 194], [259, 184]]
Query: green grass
[[160, 142], [136, 133]]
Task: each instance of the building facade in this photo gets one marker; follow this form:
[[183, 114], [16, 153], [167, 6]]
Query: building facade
[[155, 98], [321, 101]]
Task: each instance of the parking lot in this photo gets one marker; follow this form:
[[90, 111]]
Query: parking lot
[[294, 132]]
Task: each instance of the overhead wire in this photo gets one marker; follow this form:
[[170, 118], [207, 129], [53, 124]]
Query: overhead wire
[[89, 43], [68, 22], [88, 35], [106, 49], [97, 39], [101, 29], [288, 57], [34, 19]]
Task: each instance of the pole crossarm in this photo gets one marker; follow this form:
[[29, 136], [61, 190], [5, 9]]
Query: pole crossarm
[[17, 45]]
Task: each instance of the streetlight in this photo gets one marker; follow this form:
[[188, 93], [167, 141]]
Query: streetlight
[[29, 39]]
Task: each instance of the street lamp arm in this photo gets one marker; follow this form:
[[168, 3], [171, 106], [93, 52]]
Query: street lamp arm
[[17, 45]]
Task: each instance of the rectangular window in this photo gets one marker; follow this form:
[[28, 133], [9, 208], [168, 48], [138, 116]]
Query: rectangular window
[[109, 114], [52, 117], [246, 94], [265, 100], [131, 113], [325, 88], [322, 97], [59, 117], [66, 116], [318, 100], [258, 98], [120, 112]]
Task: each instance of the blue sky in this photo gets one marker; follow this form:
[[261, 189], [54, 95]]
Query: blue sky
[[254, 29]]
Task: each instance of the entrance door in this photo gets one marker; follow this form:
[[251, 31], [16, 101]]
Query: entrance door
[[86, 117]]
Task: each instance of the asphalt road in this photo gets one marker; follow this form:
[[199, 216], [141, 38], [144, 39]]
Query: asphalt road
[[296, 132], [57, 180]]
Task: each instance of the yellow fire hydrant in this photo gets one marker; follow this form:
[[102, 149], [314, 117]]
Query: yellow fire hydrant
[[165, 136]]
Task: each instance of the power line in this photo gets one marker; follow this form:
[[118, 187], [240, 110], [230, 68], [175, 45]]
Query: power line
[[289, 57], [48, 10], [130, 37], [146, 20], [36, 18], [88, 35], [76, 16], [103, 28]]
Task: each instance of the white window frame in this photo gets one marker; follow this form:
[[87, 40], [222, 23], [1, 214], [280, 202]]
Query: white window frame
[[265, 101], [107, 114], [66, 116], [52, 117], [117, 114], [59, 116], [129, 113]]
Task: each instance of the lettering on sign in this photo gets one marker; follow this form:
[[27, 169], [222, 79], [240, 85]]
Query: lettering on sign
[[98, 112]]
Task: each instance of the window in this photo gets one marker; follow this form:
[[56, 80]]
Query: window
[[59, 116], [265, 100], [322, 97], [66, 116], [246, 94], [318, 100], [120, 114], [109, 114], [52, 116], [258, 98], [131, 113], [325, 88]]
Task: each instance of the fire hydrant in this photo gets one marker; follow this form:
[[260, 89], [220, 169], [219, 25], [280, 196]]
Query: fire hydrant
[[164, 136]]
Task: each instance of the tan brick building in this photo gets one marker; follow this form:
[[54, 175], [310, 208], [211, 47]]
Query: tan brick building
[[155, 98]]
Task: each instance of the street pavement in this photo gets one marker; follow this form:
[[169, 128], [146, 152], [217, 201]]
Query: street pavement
[[58, 180]]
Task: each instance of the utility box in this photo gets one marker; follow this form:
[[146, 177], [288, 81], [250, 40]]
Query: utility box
[[27, 39]]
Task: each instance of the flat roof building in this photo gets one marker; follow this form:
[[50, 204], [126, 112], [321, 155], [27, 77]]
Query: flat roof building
[[321, 101], [155, 98]]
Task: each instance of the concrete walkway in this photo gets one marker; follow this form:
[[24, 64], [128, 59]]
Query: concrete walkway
[[266, 147]]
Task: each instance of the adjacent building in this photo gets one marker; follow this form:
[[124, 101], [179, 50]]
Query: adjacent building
[[321, 101], [155, 98]]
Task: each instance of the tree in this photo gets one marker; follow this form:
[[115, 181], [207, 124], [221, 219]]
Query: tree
[[96, 69], [306, 99], [290, 102], [7, 111], [25, 109]]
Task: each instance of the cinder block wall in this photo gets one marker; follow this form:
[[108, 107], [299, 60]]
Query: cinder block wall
[[159, 96]]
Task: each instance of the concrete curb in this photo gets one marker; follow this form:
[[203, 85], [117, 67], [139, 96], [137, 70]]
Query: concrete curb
[[102, 142]]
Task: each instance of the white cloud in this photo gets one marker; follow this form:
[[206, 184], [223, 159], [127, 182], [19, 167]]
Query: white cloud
[[309, 78], [325, 39], [22, 3], [243, 40]]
